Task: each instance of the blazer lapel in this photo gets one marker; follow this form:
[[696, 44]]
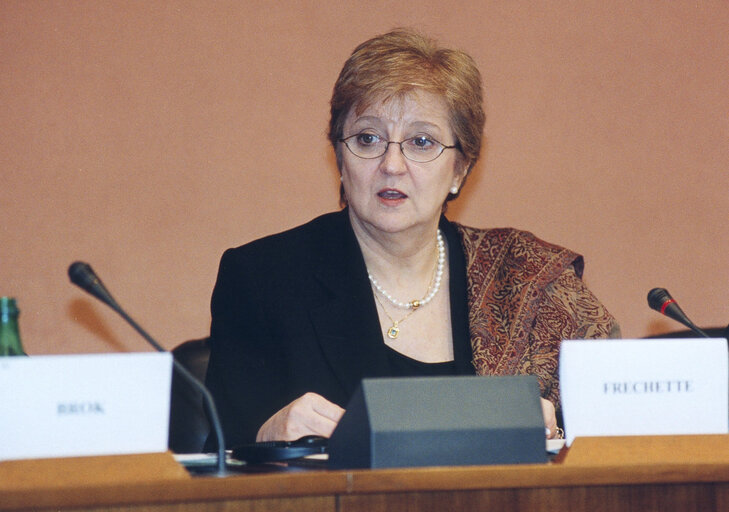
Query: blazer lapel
[[347, 325]]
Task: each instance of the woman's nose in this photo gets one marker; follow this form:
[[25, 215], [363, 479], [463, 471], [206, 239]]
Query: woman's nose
[[393, 161]]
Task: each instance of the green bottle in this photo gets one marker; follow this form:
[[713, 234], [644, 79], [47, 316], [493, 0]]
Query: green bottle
[[10, 344]]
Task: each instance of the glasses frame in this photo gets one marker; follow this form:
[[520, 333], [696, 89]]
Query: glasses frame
[[443, 147]]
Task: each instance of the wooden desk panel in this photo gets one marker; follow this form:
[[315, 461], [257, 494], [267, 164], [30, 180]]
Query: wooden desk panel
[[617, 498], [297, 504], [157, 482], [640, 475]]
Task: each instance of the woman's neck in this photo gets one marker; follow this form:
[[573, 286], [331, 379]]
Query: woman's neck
[[403, 263]]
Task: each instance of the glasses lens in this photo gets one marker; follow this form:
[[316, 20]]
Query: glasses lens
[[421, 149], [366, 145]]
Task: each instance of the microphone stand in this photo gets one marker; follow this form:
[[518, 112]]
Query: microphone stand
[[190, 378], [82, 275]]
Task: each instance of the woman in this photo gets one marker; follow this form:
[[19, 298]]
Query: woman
[[388, 286]]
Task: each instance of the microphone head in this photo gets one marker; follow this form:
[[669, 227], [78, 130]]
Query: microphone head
[[660, 300], [657, 297], [81, 274]]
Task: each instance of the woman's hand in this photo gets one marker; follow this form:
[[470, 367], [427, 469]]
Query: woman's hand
[[550, 419], [310, 414]]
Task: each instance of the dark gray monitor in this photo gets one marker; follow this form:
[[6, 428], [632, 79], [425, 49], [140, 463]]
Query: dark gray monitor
[[440, 421]]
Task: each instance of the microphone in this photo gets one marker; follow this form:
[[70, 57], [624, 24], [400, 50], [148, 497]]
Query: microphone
[[83, 276], [660, 300]]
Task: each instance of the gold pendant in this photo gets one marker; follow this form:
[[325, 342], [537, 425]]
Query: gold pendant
[[393, 331]]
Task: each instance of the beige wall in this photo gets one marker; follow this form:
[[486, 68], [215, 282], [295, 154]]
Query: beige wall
[[147, 137]]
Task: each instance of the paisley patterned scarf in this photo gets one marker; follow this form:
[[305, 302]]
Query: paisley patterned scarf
[[524, 297]]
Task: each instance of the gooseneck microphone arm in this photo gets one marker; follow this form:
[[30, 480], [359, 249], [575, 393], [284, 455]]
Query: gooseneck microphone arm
[[83, 276], [660, 300]]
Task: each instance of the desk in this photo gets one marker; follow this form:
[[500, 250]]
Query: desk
[[641, 474]]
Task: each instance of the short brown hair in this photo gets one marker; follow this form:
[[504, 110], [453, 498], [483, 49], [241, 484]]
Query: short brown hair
[[400, 61]]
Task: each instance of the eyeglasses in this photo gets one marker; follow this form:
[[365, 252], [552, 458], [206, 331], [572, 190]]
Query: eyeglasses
[[419, 149]]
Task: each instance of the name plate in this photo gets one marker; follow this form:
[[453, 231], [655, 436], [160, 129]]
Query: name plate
[[644, 387], [81, 405]]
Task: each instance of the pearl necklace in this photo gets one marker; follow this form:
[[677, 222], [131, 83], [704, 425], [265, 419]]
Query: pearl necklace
[[432, 290]]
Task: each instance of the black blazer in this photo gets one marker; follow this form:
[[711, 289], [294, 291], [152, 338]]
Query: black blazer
[[294, 312]]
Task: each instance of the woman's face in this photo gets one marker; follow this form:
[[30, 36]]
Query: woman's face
[[392, 193]]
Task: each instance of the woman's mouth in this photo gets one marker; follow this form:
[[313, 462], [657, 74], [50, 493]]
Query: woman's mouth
[[391, 194]]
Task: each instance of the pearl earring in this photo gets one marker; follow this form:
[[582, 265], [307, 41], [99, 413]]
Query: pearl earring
[[454, 190]]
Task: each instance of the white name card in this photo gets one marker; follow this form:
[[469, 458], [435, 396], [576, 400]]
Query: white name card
[[77, 405], [644, 387]]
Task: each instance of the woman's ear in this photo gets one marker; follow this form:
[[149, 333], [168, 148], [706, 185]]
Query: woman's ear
[[460, 178]]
